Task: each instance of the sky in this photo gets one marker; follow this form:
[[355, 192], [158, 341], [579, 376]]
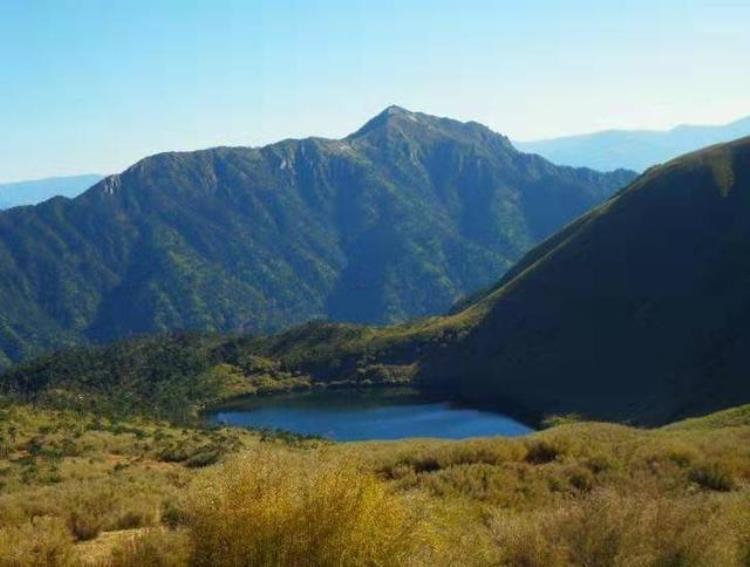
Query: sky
[[91, 86]]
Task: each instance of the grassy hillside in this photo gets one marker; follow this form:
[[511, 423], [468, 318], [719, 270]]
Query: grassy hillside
[[636, 311], [400, 219], [81, 490]]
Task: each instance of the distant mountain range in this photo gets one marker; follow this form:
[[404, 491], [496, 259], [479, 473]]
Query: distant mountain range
[[633, 149], [398, 220], [33, 192]]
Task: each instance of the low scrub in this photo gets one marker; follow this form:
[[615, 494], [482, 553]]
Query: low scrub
[[608, 529], [714, 476]]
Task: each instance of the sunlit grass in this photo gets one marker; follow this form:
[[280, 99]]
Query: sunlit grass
[[573, 494]]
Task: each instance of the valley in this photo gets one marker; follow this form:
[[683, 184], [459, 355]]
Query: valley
[[122, 452], [355, 292]]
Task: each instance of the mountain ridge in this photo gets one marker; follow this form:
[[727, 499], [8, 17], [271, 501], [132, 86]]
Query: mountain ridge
[[394, 221], [635, 312], [634, 149], [34, 191], [666, 308]]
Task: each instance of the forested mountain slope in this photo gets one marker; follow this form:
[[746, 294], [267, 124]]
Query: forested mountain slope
[[398, 220]]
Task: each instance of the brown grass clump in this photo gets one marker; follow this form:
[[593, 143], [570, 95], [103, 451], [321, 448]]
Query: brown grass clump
[[276, 508], [153, 548], [42, 542]]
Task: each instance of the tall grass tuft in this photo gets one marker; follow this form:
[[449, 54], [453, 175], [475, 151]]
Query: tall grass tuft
[[42, 542], [153, 548], [276, 508]]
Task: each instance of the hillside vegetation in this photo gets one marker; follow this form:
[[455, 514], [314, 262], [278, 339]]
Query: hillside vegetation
[[82, 490], [400, 219], [635, 312]]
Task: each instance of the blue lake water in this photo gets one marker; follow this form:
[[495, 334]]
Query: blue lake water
[[362, 414]]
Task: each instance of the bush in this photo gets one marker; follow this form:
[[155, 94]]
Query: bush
[[203, 457], [713, 476], [274, 508], [581, 479], [172, 514], [541, 452], [558, 420], [85, 523]]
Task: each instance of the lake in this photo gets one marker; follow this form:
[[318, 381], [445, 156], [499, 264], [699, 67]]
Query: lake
[[362, 414]]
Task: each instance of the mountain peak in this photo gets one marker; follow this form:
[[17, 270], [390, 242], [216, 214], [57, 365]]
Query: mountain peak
[[395, 110], [418, 125], [388, 116]]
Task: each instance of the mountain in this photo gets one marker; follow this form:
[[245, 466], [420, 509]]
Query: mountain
[[399, 219], [638, 311], [633, 149], [38, 190]]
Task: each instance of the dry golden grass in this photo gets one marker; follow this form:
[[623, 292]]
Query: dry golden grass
[[152, 548], [41, 542], [610, 529], [281, 508], [589, 494]]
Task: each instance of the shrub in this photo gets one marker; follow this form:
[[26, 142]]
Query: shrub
[[203, 457], [713, 476], [274, 508], [581, 479], [558, 420], [172, 514], [134, 518], [84, 524], [174, 454], [541, 452]]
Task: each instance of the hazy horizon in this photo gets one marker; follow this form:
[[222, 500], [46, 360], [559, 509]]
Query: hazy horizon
[[97, 87]]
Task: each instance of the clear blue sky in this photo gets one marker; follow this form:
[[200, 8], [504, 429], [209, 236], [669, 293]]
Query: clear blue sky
[[92, 86]]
